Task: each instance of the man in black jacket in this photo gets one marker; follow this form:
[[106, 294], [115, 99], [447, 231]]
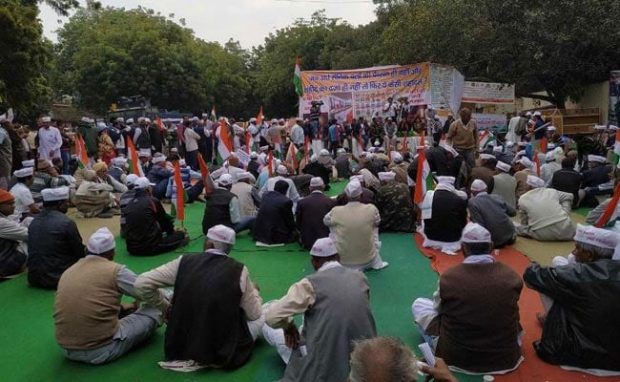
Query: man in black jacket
[[567, 180], [310, 213], [582, 299], [146, 222], [275, 223], [54, 242]]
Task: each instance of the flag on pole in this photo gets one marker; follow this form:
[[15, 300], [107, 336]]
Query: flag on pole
[[610, 210], [424, 179], [292, 156], [537, 162], [248, 141], [485, 139], [134, 162], [543, 145], [80, 150], [180, 193], [405, 146], [260, 117], [204, 171], [297, 78], [160, 124], [617, 148], [225, 142], [213, 116], [270, 163]]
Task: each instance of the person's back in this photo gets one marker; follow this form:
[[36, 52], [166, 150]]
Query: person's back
[[483, 173], [543, 207], [87, 304], [343, 166], [396, 208], [54, 244], [479, 317], [217, 209], [449, 216], [580, 329], [596, 176], [274, 223], [310, 213], [492, 212], [243, 191], [505, 185], [353, 231], [339, 316], [142, 232], [207, 324], [567, 180]]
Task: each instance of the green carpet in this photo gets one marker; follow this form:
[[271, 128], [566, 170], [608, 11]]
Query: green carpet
[[30, 353]]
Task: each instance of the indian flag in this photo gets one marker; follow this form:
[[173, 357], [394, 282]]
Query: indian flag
[[293, 156], [424, 178], [225, 142], [617, 148], [260, 117], [178, 204], [134, 162], [485, 139], [610, 211], [80, 150], [299, 89]]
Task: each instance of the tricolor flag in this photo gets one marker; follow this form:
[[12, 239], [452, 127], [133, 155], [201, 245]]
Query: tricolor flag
[[485, 139], [617, 148], [297, 78], [225, 141], [270, 163], [292, 156], [178, 206], [213, 116], [260, 117], [134, 161], [537, 162], [611, 208], [204, 171], [424, 178], [160, 124], [80, 151], [543, 145]]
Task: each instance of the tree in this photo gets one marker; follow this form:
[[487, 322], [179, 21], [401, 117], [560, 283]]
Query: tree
[[107, 53]]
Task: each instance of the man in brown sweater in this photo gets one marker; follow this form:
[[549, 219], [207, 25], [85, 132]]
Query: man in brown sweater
[[88, 306], [473, 322], [463, 134]]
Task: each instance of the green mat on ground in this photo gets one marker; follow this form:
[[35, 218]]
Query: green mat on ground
[[30, 353]]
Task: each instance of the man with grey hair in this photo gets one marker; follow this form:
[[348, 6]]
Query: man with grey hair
[[382, 359], [580, 296], [216, 313]]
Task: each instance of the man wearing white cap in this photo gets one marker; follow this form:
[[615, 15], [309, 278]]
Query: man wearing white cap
[[246, 193], [126, 198], [596, 180], [473, 318], [336, 308], [49, 139], [148, 229], [393, 200], [400, 167], [222, 207], [485, 172], [282, 174], [159, 175], [343, 164], [444, 212], [315, 168], [582, 305], [310, 213], [216, 313], [88, 306], [118, 169], [297, 134], [354, 228], [523, 168], [544, 213], [141, 137], [24, 202], [275, 223], [54, 242], [493, 213], [567, 179], [254, 133], [191, 147], [505, 184], [550, 167]]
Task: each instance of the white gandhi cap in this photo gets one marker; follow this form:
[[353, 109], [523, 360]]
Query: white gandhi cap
[[222, 234], [55, 194], [324, 247], [353, 189], [101, 241], [478, 185], [475, 233], [317, 182]]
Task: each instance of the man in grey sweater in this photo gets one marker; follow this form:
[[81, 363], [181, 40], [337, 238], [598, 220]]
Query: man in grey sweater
[[493, 213]]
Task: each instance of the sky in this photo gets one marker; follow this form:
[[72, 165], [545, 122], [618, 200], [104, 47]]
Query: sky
[[248, 21]]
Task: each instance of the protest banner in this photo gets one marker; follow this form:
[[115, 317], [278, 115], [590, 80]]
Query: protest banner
[[364, 92], [491, 121], [488, 92]]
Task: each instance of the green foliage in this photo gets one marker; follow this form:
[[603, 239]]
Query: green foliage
[[108, 53]]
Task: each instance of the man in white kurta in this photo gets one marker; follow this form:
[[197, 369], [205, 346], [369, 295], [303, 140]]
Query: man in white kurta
[[282, 172], [50, 140]]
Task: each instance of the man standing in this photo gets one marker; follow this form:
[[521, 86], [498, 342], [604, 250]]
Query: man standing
[[493, 213], [54, 242], [88, 306], [13, 236], [473, 319], [275, 223], [310, 213], [463, 134], [394, 204], [354, 228], [544, 213], [504, 184], [297, 134], [336, 308], [146, 221], [582, 303], [215, 315], [50, 140], [191, 147]]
